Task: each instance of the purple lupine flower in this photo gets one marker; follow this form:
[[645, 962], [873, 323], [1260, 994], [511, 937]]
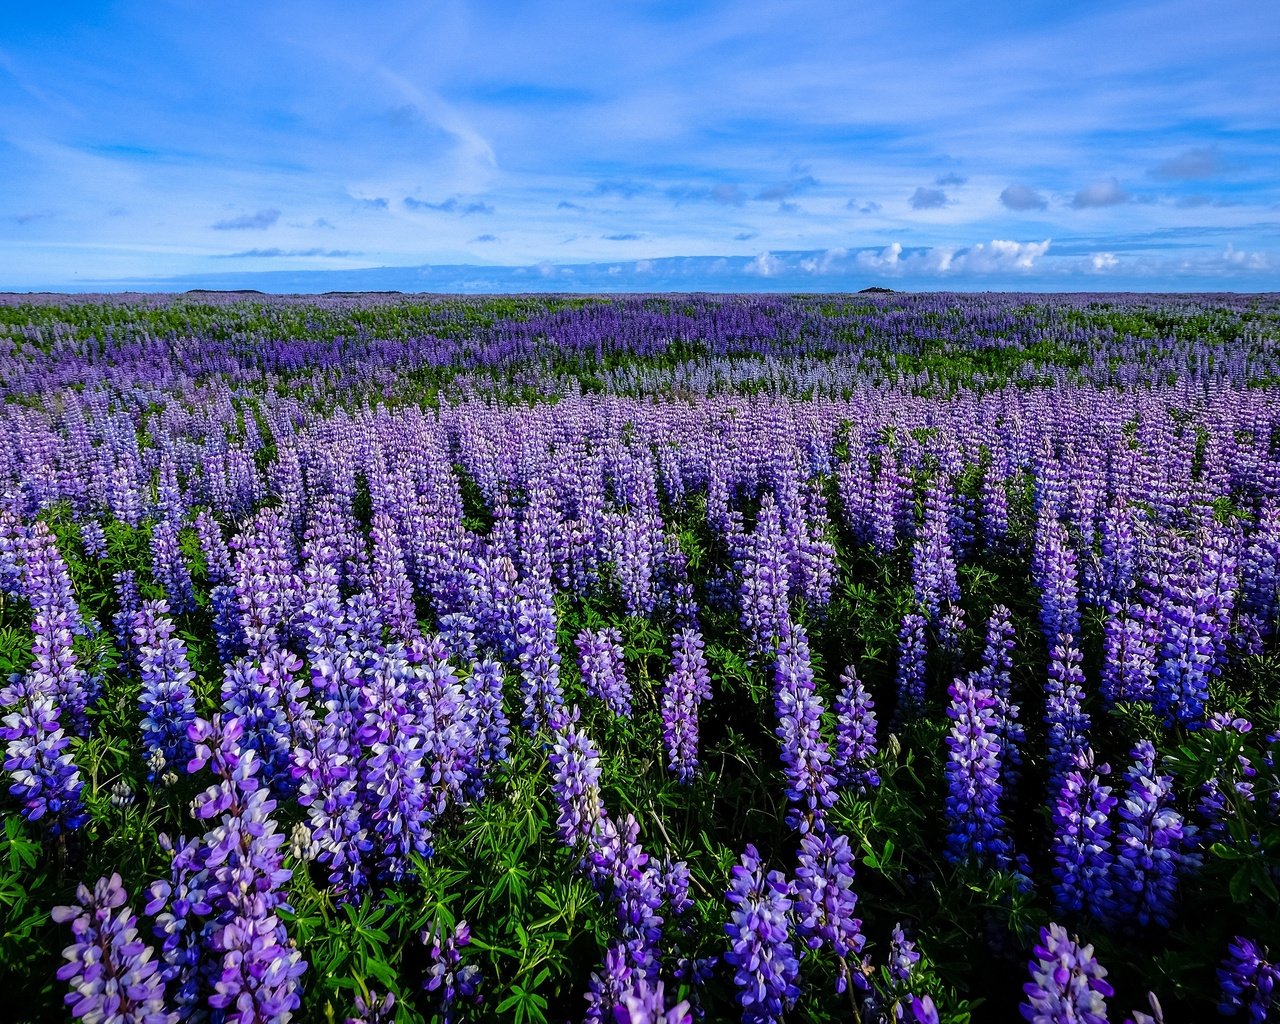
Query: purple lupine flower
[[539, 662], [458, 631], [1248, 981], [129, 603], [325, 770], [392, 773], [766, 970], [1066, 982], [449, 983], [259, 971], [391, 579], [855, 734], [13, 539], [94, 539], [251, 695], [1082, 850], [924, 1010], [645, 1003], [1066, 721], [604, 674], [166, 700], [977, 829], [764, 579], [169, 567], [903, 955], [484, 691], [1128, 655], [113, 973], [996, 675], [911, 667], [377, 1009], [179, 907], [46, 781], [825, 901], [810, 782], [686, 686], [1151, 844], [608, 986], [217, 556], [55, 619], [621, 870], [264, 581], [1054, 572], [575, 774], [933, 561]]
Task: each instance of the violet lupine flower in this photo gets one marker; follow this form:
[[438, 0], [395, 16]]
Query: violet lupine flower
[[167, 701], [55, 619], [924, 1010], [1128, 655], [325, 770], [855, 734], [903, 955], [1082, 849], [169, 567], [113, 973], [1065, 719], [686, 686], [539, 662], [765, 579], [484, 691], [391, 579], [1248, 981], [46, 781], [575, 775], [810, 782], [933, 572], [180, 907], [1151, 844], [392, 773], [251, 695], [217, 556], [264, 581], [242, 853], [446, 980], [13, 539], [996, 675], [951, 630], [604, 674], [1066, 984], [977, 829], [766, 970], [622, 871], [94, 539], [645, 1003], [825, 901], [1054, 572], [1187, 652], [911, 667], [458, 631], [129, 603], [377, 1009]]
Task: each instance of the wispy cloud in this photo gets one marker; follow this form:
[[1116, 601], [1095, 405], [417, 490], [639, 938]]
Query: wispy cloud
[[950, 179], [725, 195], [485, 238], [1022, 197], [29, 216], [927, 198], [259, 221], [1100, 193], [787, 189], [275, 253], [1191, 164], [629, 237], [452, 205]]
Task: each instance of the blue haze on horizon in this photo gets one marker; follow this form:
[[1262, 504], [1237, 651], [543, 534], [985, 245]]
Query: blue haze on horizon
[[762, 145]]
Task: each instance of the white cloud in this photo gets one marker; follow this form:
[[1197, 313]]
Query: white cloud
[[1101, 261], [1248, 260], [823, 264], [887, 258], [998, 254], [764, 265]]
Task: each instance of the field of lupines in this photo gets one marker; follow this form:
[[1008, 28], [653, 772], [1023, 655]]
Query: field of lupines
[[871, 658]]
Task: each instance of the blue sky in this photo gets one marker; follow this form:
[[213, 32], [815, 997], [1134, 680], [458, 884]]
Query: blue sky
[[641, 145]]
